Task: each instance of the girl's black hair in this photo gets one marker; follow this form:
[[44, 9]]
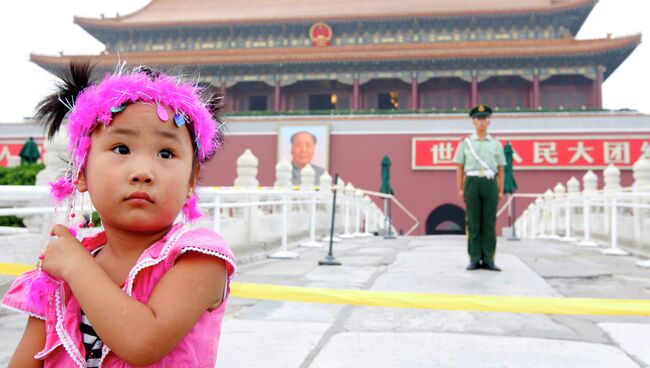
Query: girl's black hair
[[214, 100], [52, 109]]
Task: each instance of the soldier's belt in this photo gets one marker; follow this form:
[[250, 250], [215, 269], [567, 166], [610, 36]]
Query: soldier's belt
[[481, 173]]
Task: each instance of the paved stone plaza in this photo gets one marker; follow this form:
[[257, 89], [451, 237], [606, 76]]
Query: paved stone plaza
[[261, 333]]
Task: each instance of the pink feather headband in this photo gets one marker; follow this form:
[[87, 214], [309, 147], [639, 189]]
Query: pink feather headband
[[97, 103]]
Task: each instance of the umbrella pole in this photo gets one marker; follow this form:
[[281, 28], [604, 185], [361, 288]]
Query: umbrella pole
[[389, 220], [511, 210]]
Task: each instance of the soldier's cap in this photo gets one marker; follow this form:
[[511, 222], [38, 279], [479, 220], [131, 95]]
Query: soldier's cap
[[480, 111]]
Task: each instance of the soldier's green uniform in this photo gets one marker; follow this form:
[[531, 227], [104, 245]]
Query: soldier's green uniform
[[481, 192]]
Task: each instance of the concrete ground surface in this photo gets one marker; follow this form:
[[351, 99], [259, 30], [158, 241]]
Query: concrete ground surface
[[262, 333]]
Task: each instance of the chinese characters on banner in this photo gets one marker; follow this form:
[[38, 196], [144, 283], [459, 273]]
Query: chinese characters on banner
[[540, 152]]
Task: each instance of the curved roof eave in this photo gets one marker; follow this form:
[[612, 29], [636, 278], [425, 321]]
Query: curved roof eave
[[356, 54], [134, 20]]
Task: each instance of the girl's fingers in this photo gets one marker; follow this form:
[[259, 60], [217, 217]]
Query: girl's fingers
[[60, 231]]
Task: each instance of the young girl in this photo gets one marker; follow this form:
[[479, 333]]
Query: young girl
[[146, 291]]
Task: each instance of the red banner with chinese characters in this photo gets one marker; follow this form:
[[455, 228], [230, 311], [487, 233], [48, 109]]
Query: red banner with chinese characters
[[12, 148], [541, 153]]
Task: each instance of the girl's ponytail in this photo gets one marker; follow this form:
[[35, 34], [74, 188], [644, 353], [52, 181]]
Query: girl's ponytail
[[52, 109]]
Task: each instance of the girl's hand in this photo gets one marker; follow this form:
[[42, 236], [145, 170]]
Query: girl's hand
[[64, 253]]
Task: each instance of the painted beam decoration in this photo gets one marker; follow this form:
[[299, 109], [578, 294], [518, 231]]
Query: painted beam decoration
[[541, 152]]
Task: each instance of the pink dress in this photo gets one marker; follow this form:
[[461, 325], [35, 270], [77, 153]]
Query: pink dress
[[60, 310]]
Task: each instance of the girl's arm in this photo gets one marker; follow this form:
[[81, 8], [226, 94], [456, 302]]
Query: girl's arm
[[30, 344], [140, 334]]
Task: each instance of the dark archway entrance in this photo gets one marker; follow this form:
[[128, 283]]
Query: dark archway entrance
[[446, 219]]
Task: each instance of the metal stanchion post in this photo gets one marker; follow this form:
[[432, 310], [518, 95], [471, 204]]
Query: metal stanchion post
[[329, 260], [614, 250], [312, 243], [567, 221], [285, 253], [389, 220], [586, 242], [511, 209]]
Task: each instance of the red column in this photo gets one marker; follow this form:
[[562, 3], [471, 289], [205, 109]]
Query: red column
[[598, 89], [356, 105], [536, 97], [277, 97], [414, 93], [474, 95]]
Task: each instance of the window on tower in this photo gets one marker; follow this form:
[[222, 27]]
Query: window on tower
[[258, 103]]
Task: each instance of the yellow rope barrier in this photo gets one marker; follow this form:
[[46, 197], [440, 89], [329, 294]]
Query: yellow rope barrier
[[475, 303], [14, 269], [478, 303]]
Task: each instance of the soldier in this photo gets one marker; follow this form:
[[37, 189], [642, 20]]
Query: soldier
[[479, 177]]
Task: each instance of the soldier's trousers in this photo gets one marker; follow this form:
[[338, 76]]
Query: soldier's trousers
[[481, 200]]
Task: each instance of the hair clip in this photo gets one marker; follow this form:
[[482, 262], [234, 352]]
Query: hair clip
[[179, 119], [162, 112], [116, 109]]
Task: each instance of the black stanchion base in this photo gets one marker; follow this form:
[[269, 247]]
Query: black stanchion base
[[390, 236], [513, 239], [329, 261]]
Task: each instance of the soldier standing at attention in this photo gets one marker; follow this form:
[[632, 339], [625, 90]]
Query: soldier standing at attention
[[479, 177]]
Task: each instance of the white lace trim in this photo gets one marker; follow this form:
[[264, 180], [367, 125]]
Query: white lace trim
[[22, 311], [210, 253], [42, 353], [65, 339], [105, 351], [151, 262]]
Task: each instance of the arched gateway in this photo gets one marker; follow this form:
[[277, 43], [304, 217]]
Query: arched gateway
[[446, 219]]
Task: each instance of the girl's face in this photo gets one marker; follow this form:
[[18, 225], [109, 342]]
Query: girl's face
[[139, 170]]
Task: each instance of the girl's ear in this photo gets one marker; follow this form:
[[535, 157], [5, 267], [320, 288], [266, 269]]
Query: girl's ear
[[194, 179], [82, 186]]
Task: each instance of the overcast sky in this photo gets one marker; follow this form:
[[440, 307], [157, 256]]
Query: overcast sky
[[46, 27]]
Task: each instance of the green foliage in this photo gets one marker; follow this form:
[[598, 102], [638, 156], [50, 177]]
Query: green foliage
[[12, 221], [96, 220], [20, 175]]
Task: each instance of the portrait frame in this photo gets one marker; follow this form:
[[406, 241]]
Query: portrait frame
[[321, 151]]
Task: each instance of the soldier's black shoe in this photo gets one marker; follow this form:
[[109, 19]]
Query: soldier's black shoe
[[473, 265], [491, 267]]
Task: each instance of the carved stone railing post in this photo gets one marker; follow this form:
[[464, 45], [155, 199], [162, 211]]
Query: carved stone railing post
[[557, 200], [589, 185], [573, 188], [307, 178], [247, 165], [282, 175]]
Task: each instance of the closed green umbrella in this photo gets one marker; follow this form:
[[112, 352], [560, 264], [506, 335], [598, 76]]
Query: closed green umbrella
[[386, 188], [29, 154], [509, 187], [385, 176], [509, 183]]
